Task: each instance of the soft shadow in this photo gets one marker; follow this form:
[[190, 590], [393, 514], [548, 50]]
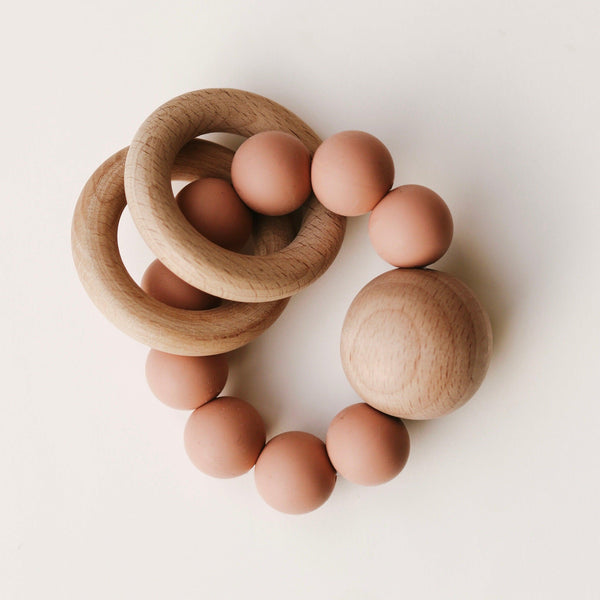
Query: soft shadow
[[471, 260], [244, 364]]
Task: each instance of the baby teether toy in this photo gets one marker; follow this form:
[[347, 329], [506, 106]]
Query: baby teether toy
[[416, 343]]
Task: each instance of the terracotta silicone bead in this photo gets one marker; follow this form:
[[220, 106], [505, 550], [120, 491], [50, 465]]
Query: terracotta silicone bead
[[185, 382], [212, 206], [271, 172], [165, 286], [366, 446], [224, 437], [293, 473], [411, 227], [351, 172]]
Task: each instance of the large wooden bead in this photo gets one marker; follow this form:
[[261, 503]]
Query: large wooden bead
[[416, 343]]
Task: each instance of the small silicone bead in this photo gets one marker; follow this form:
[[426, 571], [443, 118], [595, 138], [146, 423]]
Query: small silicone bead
[[185, 382], [271, 172], [166, 287], [351, 172], [293, 473], [212, 206], [224, 437], [411, 227], [366, 446]]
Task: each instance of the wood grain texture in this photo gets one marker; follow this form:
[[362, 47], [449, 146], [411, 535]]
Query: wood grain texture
[[122, 301], [416, 343], [177, 244]]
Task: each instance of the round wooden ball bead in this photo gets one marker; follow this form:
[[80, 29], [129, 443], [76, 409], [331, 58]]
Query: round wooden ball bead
[[351, 172], [411, 227], [212, 206], [271, 172], [164, 286], [224, 437], [366, 446], [185, 382], [416, 343], [293, 473]]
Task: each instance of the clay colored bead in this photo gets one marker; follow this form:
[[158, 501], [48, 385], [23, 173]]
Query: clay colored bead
[[185, 382], [166, 287], [366, 446], [293, 473], [351, 172], [224, 437], [411, 227], [216, 211], [416, 343], [271, 172]]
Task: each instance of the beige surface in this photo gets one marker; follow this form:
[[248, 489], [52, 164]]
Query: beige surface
[[493, 105]]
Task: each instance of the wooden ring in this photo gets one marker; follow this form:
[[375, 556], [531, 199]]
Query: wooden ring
[[122, 301], [172, 238]]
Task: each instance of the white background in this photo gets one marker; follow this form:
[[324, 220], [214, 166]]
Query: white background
[[493, 104]]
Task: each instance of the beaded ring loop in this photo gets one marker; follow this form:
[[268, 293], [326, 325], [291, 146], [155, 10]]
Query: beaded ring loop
[[107, 282], [176, 243], [416, 343]]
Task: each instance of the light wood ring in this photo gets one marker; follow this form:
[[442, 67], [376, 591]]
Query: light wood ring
[[122, 301], [183, 249]]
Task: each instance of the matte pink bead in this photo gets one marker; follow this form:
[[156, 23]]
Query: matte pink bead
[[411, 227], [185, 382], [293, 474], [367, 446], [166, 287], [212, 206], [351, 172], [271, 172], [224, 437]]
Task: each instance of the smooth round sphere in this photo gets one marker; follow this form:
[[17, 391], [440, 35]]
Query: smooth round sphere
[[351, 172], [185, 382], [366, 446], [293, 473], [411, 227], [216, 211], [164, 286], [416, 343], [224, 437], [271, 172]]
